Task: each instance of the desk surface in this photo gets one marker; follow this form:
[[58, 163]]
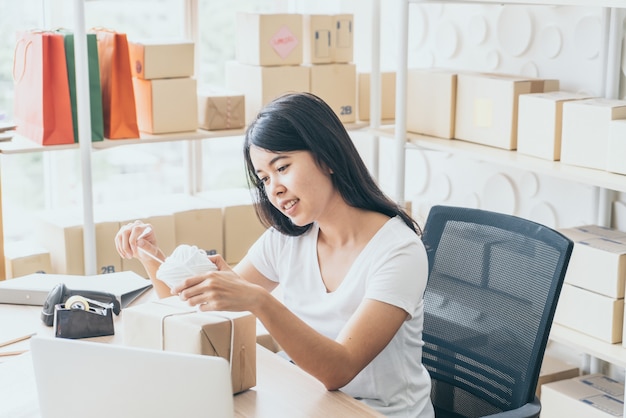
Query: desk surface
[[282, 390]]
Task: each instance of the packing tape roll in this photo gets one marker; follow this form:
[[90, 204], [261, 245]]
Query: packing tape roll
[[77, 302]]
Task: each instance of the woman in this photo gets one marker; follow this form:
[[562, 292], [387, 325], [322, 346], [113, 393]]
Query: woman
[[350, 261]]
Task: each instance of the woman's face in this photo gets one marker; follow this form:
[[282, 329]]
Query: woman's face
[[295, 184]]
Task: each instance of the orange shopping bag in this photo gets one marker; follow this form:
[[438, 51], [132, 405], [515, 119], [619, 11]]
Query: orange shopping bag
[[42, 107], [118, 96]]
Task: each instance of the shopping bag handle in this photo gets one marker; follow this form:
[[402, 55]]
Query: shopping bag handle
[[16, 80]]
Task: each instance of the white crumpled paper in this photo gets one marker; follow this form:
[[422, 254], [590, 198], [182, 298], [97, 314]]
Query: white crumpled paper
[[186, 261]]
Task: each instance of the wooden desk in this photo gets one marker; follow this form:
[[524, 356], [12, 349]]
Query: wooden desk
[[282, 390]]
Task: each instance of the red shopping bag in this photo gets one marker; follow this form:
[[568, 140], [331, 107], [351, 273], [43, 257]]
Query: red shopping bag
[[42, 107], [118, 96]]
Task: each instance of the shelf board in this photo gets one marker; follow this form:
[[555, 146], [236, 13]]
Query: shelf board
[[612, 353], [20, 144], [588, 176], [584, 3]]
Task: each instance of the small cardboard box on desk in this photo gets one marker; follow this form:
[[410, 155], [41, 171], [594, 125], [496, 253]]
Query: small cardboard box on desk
[[171, 325]]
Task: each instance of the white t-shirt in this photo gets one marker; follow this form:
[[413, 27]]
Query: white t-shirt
[[392, 268]]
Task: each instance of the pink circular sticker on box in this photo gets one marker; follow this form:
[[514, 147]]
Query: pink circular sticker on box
[[283, 42]]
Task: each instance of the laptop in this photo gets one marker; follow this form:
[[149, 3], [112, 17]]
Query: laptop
[[77, 378]]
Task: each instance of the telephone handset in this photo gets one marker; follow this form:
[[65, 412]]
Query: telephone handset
[[60, 294]]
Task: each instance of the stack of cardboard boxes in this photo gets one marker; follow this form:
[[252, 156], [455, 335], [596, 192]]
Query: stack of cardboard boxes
[[220, 222], [281, 53], [165, 90]]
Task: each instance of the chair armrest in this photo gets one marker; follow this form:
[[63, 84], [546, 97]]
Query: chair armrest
[[529, 410]]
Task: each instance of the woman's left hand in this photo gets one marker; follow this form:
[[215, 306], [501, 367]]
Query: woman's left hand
[[219, 290]]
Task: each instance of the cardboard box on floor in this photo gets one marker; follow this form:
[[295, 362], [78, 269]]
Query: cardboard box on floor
[[172, 325], [590, 396]]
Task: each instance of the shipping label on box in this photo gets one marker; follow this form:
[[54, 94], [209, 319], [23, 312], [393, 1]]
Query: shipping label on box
[[589, 396], [261, 84], [269, 39], [539, 125], [431, 102], [590, 313], [172, 325], [585, 135], [387, 95], [342, 50], [487, 107], [336, 85], [166, 105], [317, 39], [153, 59], [221, 109]]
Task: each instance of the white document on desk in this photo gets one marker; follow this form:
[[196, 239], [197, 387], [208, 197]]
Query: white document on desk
[[18, 397], [33, 289]]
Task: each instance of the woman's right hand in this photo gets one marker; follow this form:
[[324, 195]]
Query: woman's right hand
[[135, 239]]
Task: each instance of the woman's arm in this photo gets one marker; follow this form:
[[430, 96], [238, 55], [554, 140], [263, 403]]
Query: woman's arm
[[334, 362]]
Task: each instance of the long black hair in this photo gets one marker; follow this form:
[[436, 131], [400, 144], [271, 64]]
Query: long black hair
[[304, 122]]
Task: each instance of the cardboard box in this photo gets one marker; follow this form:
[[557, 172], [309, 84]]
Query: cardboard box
[[487, 107], [162, 222], [593, 314], [554, 369], [598, 261], [343, 40], [431, 102], [336, 85], [540, 122], [172, 325], [240, 222], [387, 95], [585, 137], [151, 59], [61, 233], [196, 221], [589, 396], [269, 39], [317, 39], [616, 162], [262, 84], [221, 109], [26, 257], [166, 105]]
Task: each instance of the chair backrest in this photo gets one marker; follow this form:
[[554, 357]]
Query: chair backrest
[[494, 282]]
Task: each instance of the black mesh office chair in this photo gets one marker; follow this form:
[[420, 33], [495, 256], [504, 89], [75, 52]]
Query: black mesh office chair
[[492, 291]]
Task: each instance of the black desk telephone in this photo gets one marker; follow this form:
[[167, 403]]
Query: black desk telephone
[[60, 294]]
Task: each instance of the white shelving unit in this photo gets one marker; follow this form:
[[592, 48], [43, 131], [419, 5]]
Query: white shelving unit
[[607, 184]]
